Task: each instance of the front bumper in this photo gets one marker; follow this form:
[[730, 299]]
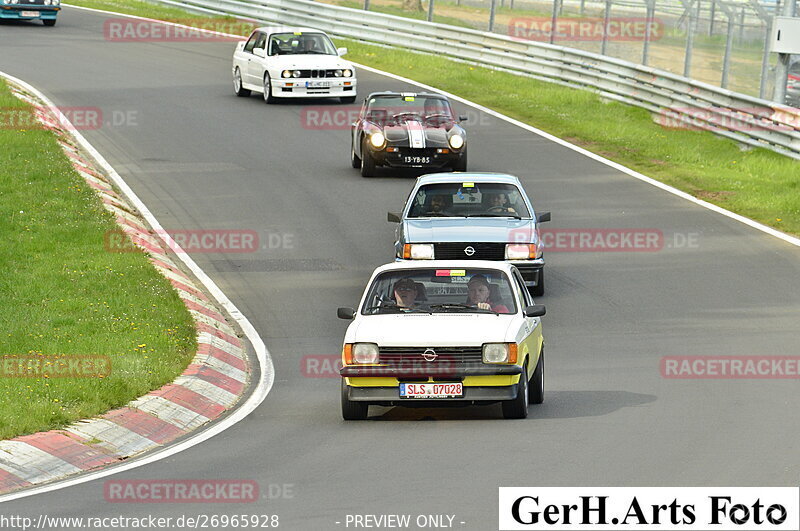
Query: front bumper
[[304, 88], [531, 270], [407, 157], [9, 12], [390, 396], [453, 371]]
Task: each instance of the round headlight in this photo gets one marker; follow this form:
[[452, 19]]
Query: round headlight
[[47, 2], [456, 141], [347, 73], [286, 73], [495, 353], [365, 353], [296, 73], [377, 139], [337, 73]]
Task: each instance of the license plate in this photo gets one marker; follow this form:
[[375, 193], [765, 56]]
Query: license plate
[[30, 13], [410, 159], [313, 84], [431, 390]]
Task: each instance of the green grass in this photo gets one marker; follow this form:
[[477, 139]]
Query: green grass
[[65, 295], [756, 183]]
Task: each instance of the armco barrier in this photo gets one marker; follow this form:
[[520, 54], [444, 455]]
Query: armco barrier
[[676, 99]]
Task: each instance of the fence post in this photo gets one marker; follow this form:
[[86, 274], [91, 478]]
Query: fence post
[[766, 19], [651, 7], [366, 5], [741, 23], [492, 14], [583, 6], [712, 16], [606, 18], [554, 20], [691, 27], [430, 10], [730, 14]]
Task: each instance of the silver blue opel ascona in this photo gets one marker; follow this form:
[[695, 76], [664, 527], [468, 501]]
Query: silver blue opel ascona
[[472, 216]]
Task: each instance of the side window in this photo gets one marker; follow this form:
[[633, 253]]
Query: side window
[[522, 291], [251, 42], [261, 41]]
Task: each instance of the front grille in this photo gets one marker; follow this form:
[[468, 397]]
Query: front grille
[[411, 357], [483, 251], [317, 73]]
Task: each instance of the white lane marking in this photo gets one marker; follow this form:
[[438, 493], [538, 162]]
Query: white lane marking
[[221, 344], [168, 411], [266, 368], [32, 464], [221, 367]]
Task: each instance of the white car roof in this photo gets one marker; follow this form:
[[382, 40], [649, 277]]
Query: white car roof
[[288, 29], [446, 264], [458, 177]]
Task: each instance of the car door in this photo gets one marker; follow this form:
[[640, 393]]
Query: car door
[[257, 64], [532, 325], [355, 130], [245, 58]]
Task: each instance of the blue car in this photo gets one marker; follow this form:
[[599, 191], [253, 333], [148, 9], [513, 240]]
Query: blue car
[[472, 216], [44, 10]]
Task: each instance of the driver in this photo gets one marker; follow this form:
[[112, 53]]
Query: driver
[[405, 293], [499, 203], [479, 294], [439, 204]]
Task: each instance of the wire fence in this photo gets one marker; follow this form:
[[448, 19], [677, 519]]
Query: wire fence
[[720, 42]]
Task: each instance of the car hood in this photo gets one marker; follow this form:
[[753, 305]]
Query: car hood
[[467, 230], [416, 134], [422, 329], [300, 62]]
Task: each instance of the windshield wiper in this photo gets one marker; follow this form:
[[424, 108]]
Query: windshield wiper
[[498, 215], [458, 306], [395, 307]]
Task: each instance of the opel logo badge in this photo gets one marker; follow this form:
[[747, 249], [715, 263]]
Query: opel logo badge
[[469, 251], [429, 355]]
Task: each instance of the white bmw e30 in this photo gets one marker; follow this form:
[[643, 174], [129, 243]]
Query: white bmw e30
[[437, 333], [290, 62]]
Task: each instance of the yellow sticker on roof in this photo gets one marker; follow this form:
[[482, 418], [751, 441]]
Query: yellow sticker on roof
[[408, 98], [468, 185], [298, 32]]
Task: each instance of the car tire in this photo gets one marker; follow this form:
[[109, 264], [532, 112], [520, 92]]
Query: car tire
[[347, 99], [538, 289], [268, 97], [461, 165], [536, 385], [367, 162], [352, 410], [517, 408], [49, 22], [238, 87], [354, 160]]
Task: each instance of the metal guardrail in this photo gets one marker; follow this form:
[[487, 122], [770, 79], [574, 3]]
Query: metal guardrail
[[678, 101]]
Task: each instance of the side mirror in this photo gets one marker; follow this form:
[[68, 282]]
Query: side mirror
[[462, 118], [535, 311], [259, 52], [393, 217], [541, 217], [341, 51], [347, 313]]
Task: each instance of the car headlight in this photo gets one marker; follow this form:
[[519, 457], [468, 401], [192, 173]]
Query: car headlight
[[418, 251], [347, 73], [377, 140], [516, 251], [500, 353], [337, 73], [296, 73], [456, 141], [286, 73], [365, 353]]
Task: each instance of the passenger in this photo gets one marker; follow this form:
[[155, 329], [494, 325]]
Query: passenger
[[480, 294], [439, 205]]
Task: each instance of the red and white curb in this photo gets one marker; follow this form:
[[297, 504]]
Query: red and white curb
[[212, 384]]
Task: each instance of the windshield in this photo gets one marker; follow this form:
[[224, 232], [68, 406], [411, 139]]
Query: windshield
[[399, 108], [468, 199], [470, 290], [301, 43]]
